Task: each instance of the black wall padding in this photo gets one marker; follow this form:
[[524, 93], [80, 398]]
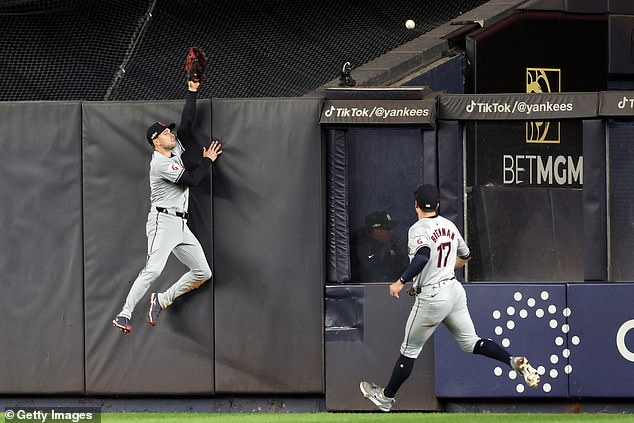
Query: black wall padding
[[450, 171], [338, 247], [621, 153], [269, 243], [344, 313], [176, 356], [41, 309], [595, 230], [527, 231], [372, 357]]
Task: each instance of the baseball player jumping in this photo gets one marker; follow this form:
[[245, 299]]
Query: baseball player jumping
[[166, 228], [436, 249]]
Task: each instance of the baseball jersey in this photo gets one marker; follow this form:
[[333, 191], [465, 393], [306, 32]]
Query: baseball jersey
[[164, 172], [444, 241]]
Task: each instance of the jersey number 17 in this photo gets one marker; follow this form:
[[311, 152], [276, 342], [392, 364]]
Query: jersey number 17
[[441, 251]]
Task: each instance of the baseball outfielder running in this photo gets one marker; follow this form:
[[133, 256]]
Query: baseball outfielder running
[[436, 249], [166, 228]]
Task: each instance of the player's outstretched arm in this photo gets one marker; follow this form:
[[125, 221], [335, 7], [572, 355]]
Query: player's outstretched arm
[[210, 155], [184, 130]]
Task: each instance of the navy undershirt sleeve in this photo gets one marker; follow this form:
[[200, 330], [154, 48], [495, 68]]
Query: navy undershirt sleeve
[[184, 130], [193, 178], [416, 265]]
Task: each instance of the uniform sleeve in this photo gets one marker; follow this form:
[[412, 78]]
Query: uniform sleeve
[[463, 250], [169, 171], [417, 239]]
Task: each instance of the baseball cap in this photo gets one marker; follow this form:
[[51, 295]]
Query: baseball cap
[[156, 128], [426, 196], [379, 220]]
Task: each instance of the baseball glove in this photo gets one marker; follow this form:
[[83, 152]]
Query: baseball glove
[[196, 64], [411, 291]]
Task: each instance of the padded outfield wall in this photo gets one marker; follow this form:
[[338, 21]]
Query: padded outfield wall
[[75, 206]]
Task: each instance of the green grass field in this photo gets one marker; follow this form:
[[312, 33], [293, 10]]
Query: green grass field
[[360, 418]]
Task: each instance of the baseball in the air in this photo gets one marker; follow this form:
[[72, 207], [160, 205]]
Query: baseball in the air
[[410, 24]]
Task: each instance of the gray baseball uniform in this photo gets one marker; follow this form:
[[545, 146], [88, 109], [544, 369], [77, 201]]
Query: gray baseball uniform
[[166, 227], [434, 243], [442, 298]]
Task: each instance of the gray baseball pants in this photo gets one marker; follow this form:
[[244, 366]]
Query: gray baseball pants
[[436, 304], [167, 233]]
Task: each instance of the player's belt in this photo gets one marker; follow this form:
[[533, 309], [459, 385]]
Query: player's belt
[[183, 215], [434, 285]]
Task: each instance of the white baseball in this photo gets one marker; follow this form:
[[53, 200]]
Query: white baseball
[[410, 24]]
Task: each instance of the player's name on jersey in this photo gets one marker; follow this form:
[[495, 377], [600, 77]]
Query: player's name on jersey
[[442, 232]]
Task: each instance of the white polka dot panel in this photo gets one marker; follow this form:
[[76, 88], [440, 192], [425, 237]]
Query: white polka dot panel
[[553, 365]]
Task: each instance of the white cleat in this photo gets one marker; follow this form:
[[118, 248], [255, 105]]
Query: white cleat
[[375, 394], [522, 366]]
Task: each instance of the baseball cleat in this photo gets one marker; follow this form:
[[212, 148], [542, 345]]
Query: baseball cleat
[[122, 323], [375, 394], [155, 309], [522, 366]]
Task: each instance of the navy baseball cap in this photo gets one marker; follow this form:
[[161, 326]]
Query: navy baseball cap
[[156, 128], [426, 196], [379, 220]]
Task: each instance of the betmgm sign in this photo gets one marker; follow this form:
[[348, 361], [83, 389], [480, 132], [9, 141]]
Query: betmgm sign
[[538, 169], [520, 139]]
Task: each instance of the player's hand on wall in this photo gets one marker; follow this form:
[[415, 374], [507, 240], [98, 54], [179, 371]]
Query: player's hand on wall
[[214, 150]]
